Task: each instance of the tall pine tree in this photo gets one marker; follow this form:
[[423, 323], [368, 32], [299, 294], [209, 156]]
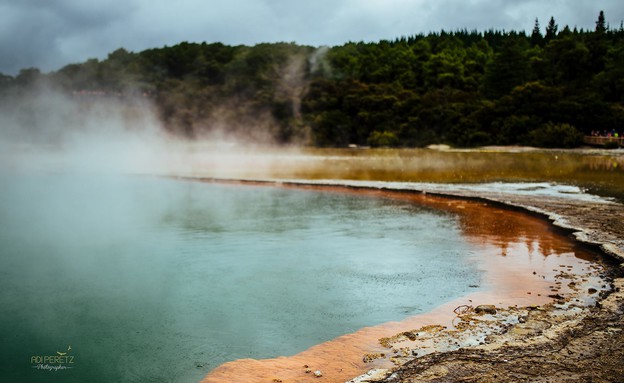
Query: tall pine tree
[[551, 29], [600, 23], [597, 44], [536, 35]]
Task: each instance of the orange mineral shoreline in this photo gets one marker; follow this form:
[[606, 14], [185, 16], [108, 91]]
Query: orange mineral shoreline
[[524, 259]]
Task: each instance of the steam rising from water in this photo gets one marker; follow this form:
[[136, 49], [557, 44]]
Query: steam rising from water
[[46, 130]]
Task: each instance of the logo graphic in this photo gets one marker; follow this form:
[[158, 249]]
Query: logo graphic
[[60, 361], [64, 353]]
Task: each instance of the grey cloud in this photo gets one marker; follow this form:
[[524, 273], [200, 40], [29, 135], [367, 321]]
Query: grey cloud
[[35, 33]]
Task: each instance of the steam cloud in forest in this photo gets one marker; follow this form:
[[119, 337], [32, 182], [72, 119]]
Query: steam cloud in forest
[[47, 129]]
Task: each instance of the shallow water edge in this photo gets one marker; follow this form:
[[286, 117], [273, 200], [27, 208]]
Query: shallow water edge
[[592, 220]]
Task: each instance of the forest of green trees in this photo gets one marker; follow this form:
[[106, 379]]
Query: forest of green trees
[[546, 88]]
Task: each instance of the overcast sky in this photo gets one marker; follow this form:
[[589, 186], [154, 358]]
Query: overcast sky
[[49, 34]]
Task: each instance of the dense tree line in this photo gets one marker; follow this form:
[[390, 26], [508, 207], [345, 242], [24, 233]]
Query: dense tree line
[[464, 88]]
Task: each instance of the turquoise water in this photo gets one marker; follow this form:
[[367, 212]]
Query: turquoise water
[[154, 280]]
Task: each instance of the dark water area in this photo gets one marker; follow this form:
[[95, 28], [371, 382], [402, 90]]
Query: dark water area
[[151, 279]]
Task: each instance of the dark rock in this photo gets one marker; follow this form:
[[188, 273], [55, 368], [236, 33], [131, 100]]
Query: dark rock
[[485, 309]]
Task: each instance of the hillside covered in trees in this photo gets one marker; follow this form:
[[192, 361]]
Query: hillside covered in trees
[[466, 88]]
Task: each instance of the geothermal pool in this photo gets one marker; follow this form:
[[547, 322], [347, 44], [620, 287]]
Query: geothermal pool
[[151, 279]]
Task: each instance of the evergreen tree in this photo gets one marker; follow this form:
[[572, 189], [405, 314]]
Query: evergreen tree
[[598, 45], [551, 29], [536, 35], [565, 32], [600, 23]]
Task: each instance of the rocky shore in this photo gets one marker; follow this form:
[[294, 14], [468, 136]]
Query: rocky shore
[[547, 347], [554, 343]]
